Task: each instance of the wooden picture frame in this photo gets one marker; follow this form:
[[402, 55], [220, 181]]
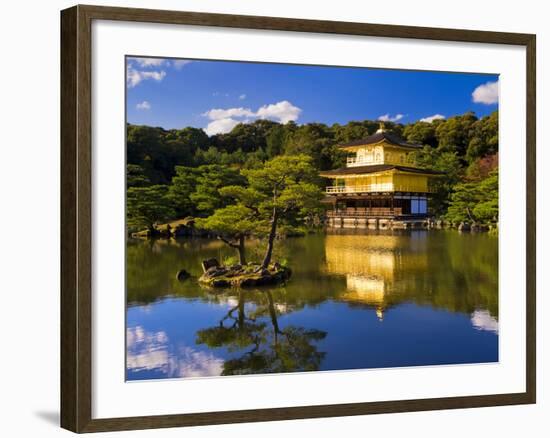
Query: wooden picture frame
[[76, 217]]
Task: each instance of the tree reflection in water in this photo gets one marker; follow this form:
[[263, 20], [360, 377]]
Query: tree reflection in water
[[442, 269], [355, 300], [263, 346]]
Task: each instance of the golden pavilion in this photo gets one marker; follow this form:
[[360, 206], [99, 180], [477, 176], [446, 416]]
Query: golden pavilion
[[377, 188]]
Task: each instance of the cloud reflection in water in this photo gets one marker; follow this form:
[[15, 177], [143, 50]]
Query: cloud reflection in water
[[147, 351], [483, 320]]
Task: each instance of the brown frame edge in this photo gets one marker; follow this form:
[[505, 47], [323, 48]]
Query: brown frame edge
[[76, 191]]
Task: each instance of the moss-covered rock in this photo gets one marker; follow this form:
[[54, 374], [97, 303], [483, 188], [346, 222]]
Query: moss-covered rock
[[245, 276]]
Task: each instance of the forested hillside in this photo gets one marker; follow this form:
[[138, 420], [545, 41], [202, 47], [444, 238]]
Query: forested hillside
[[178, 172]]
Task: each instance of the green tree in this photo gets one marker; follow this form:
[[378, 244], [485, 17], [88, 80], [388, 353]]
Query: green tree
[[135, 176], [275, 141], [316, 141], [236, 158], [484, 138], [455, 133], [248, 137], [475, 201], [180, 191], [255, 159], [189, 139], [209, 180], [281, 193], [451, 170], [422, 133], [232, 224], [463, 201], [146, 206], [209, 156], [354, 130], [285, 191], [195, 190], [486, 209], [158, 151]]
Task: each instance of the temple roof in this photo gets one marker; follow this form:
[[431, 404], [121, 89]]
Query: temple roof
[[378, 137], [360, 170]]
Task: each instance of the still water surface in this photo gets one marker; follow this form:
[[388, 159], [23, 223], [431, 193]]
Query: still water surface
[[355, 300]]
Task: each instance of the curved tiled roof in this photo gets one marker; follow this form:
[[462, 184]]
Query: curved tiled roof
[[378, 137], [360, 170]]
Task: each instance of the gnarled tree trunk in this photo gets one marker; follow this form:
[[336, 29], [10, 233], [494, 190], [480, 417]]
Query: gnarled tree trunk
[[240, 248], [271, 239], [238, 244]]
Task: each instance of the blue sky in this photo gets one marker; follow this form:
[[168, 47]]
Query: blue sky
[[216, 95]]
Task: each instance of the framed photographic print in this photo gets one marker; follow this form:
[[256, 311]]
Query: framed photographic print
[[268, 218]]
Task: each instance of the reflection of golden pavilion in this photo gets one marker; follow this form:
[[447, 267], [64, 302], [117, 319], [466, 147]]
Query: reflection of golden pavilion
[[370, 291], [371, 263]]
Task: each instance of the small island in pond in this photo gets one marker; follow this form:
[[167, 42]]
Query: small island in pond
[[246, 276]]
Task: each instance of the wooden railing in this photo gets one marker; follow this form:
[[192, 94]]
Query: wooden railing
[[384, 187], [353, 161], [359, 212]]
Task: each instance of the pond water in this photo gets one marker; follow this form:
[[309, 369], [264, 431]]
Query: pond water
[[355, 300]]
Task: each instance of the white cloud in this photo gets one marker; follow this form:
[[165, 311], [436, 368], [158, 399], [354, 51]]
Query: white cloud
[[217, 113], [159, 62], [150, 62], [221, 126], [224, 120], [134, 77], [430, 119], [388, 118], [179, 63], [283, 112], [143, 105], [486, 93], [242, 97]]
